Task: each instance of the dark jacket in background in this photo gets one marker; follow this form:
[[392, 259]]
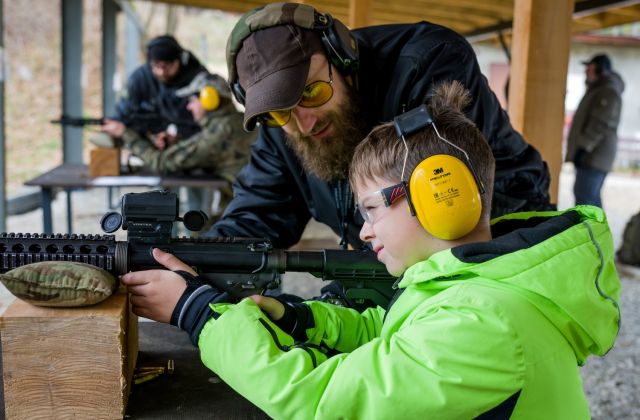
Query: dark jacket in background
[[275, 197], [593, 137], [150, 106]]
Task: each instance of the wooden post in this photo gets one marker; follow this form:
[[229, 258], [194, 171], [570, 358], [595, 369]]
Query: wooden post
[[540, 58], [360, 13], [61, 363]]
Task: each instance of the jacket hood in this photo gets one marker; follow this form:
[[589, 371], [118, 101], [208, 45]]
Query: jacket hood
[[561, 262], [611, 80]]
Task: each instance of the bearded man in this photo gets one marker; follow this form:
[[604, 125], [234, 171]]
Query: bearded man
[[315, 89]]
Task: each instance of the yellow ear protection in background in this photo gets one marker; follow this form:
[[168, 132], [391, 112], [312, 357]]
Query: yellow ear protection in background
[[209, 88], [209, 98], [443, 191]]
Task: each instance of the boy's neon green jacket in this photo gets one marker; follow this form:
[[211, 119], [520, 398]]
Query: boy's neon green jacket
[[495, 328]]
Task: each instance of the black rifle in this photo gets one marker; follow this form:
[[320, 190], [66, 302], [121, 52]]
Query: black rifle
[[143, 123], [77, 121], [239, 266]]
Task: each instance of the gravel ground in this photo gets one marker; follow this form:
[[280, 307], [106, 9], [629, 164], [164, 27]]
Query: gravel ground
[[612, 382]]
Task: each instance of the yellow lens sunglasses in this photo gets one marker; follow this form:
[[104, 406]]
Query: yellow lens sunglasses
[[315, 94]]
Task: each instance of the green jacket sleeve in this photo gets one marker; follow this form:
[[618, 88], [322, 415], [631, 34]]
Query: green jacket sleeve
[[416, 372], [343, 329]]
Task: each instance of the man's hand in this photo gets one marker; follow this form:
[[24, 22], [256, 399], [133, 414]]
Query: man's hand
[[163, 140], [155, 293], [113, 127], [272, 307]]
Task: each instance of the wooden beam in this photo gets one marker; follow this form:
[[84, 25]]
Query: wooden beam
[[413, 11], [497, 7], [477, 20], [360, 12], [541, 43], [459, 25], [459, 19]]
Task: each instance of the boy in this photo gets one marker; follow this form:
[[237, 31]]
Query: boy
[[480, 327]]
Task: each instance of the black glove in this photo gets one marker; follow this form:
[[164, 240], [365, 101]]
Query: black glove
[[296, 320], [192, 310], [580, 158]]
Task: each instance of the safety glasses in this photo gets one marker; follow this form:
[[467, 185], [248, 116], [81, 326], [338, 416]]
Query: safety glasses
[[315, 94], [371, 205]]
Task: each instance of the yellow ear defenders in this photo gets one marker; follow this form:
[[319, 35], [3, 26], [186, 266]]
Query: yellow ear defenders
[[209, 98], [443, 191]]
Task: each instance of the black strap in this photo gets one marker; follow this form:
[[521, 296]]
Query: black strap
[[344, 203], [193, 282]]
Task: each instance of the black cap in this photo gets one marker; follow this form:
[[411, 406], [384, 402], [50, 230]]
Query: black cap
[[163, 48], [602, 62]]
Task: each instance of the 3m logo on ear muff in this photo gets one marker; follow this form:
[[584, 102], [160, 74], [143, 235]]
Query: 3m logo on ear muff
[[445, 197]]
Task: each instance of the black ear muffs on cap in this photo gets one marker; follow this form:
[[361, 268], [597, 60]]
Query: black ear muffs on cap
[[338, 40]]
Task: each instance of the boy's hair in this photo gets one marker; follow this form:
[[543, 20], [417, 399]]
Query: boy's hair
[[381, 154]]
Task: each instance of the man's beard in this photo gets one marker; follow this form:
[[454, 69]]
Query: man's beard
[[329, 158]]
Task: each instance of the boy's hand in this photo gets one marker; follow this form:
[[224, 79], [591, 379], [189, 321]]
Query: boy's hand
[[155, 293], [272, 307], [294, 318]]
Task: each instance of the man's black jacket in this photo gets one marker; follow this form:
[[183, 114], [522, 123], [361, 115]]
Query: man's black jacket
[[150, 106], [274, 197]]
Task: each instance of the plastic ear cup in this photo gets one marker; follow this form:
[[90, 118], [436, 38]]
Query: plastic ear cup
[[445, 196], [209, 98]]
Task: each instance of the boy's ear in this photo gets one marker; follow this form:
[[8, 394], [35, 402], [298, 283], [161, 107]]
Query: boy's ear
[[445, 197]]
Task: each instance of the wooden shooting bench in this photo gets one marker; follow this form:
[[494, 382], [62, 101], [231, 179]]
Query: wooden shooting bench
[[73, 176], [60, 363]]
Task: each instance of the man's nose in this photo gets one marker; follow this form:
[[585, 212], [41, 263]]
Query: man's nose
[[305, 118]]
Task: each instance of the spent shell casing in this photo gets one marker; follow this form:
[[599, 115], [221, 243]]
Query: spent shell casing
[[149, 368], [145, 378], [141, 373]]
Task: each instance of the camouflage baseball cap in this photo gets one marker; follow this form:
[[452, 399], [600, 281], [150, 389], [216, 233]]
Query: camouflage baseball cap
[[268, 54], [202, 80]]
